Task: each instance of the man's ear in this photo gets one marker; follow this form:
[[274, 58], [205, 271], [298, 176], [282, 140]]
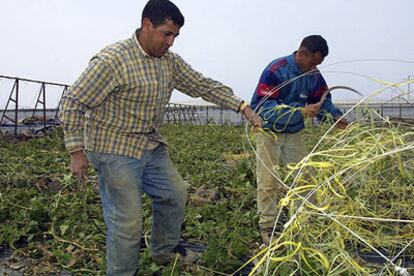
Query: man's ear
[[146, 25], [302, 52]]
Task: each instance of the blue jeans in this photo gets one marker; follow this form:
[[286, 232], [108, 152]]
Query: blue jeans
[[121, 181]]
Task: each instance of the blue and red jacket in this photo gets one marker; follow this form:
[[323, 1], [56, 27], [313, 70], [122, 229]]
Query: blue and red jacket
[[276, 110]]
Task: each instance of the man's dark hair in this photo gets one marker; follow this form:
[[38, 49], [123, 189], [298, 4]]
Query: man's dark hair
[[160, 10], [315, 43]]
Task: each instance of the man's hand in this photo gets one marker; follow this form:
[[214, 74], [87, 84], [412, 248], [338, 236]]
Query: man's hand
[[342, 124], [311, 110], [254, 119], [79, 165]]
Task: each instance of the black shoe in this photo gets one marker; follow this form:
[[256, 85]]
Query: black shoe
[[185, 256]]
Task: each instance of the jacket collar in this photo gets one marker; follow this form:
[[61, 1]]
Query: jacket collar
[[292, 63]]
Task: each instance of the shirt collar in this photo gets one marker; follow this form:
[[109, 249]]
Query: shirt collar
[[145, 54], [135, 39]]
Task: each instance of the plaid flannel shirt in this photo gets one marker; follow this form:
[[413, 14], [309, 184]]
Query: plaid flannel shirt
[[118, 102]]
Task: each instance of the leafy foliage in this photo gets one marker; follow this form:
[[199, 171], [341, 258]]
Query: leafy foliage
[[48, 216]]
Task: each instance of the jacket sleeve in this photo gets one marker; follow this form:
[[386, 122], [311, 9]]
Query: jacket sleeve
[[329, 108], [277, 117]]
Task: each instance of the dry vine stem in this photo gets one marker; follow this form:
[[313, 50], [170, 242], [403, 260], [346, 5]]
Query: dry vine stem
[[362, 190]]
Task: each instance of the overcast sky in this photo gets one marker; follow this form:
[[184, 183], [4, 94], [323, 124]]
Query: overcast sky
[[229, 40]]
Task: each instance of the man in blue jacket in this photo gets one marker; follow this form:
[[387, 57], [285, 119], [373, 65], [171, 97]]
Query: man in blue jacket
[[289, 90]]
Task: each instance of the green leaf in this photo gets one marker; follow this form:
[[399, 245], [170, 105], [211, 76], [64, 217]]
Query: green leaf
[[63, 229]]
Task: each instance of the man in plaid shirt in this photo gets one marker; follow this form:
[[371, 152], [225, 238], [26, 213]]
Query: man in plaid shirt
[[111, 117]]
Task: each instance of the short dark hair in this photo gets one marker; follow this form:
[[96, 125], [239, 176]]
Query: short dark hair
[[315, 43], [160, 10]]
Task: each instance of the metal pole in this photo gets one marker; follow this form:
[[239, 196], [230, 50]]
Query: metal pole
[[30, 80], [56, 118], [44, 106], [400, 111], [7, 104], [16, 107], [40, 95], [207, 115]]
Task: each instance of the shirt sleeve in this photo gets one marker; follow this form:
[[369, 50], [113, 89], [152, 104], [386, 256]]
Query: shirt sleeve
[[89, 91], [194, 84]]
